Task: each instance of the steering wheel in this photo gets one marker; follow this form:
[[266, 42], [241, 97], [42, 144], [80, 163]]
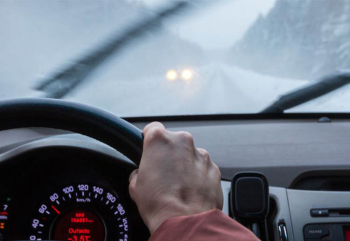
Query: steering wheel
[[89, 121]]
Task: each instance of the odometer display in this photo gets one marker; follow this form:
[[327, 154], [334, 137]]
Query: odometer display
[[81, 212], [79, 225]]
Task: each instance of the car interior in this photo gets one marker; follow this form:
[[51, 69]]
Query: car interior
[[263, 86], [66, 165]]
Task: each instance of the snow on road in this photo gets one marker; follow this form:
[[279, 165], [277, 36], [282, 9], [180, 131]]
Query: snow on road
[[37, 41], [215, 88]]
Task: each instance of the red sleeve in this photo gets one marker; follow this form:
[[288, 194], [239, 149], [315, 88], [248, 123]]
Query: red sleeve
[[211, 225]]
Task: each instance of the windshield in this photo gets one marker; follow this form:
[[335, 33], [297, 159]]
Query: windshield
[[161, 57]]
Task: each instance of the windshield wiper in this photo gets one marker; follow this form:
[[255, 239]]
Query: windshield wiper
[[64, 81], [319, 88]]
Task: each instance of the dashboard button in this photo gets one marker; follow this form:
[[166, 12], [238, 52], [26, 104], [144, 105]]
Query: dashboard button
[[316, 232], [319, 212]]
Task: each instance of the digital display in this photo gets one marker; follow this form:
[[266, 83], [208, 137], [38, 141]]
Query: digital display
[[79, 225], [347, 233]]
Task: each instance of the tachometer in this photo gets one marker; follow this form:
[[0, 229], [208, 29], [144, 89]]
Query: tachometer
[[81, 212]]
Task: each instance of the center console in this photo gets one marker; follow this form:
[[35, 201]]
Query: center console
[[320, 215], [304, 215]]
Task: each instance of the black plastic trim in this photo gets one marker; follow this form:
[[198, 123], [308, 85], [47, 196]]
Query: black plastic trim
[[322, 180], [257, 116]]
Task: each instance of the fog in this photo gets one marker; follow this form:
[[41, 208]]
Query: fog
[[240, 57]]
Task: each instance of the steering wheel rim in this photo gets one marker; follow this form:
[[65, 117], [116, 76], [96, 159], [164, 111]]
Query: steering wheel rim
[[79, 118]]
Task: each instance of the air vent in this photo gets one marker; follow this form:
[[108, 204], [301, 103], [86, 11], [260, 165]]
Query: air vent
[[323, 181]]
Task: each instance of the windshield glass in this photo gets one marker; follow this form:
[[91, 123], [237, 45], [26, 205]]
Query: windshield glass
[[161, 57]]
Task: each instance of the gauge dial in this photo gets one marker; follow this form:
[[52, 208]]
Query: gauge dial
[[82, 212], [4, 213]]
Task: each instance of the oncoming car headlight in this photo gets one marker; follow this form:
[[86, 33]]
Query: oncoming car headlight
[[171, 75], [185, 74]]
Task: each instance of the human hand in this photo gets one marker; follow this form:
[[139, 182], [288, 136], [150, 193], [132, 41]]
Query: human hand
[[174, 177]]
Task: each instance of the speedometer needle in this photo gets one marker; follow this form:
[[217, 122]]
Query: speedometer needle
[[53, 207]]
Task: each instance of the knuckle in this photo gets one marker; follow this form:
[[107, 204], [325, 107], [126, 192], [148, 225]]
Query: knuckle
[[205, 154], [132, 190], [155, 134], [152, 125], [186, 136], [131, 187], [133, 175], [216, 169]]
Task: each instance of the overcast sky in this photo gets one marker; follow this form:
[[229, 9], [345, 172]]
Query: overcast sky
[[218, 24]]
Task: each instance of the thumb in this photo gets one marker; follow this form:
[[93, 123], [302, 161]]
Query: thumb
[[132, 183]]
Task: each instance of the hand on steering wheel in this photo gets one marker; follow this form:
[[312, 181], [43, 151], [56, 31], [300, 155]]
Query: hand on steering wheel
[[174, 177]]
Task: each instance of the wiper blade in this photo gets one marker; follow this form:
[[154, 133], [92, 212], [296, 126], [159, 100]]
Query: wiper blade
[[64, 81], [300, 96]]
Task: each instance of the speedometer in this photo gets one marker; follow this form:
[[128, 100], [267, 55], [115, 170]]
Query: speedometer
[[81, 212]]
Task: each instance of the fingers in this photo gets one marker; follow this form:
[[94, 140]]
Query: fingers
[[214, 172], [213, 167], [132, 183], [154, 133], [151, 126], [204, 153], [185, 137], [133, 175]]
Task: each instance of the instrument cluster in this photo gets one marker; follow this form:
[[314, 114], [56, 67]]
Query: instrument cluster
[[68, 194]]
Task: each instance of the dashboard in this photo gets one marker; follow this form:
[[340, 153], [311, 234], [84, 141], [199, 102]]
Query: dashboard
[[55, 183], [69, 188]]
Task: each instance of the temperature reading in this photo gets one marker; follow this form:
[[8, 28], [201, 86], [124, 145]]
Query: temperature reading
[[80, 225], [80, 238]]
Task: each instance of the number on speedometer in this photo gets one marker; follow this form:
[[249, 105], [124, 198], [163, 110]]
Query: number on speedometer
[[81, 212]]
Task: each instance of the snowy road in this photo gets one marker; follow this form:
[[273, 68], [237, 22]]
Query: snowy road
[[132, 83], [216, 88]]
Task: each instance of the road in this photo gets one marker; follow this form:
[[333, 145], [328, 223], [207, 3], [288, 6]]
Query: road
[[36, 41], [215, 88]]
